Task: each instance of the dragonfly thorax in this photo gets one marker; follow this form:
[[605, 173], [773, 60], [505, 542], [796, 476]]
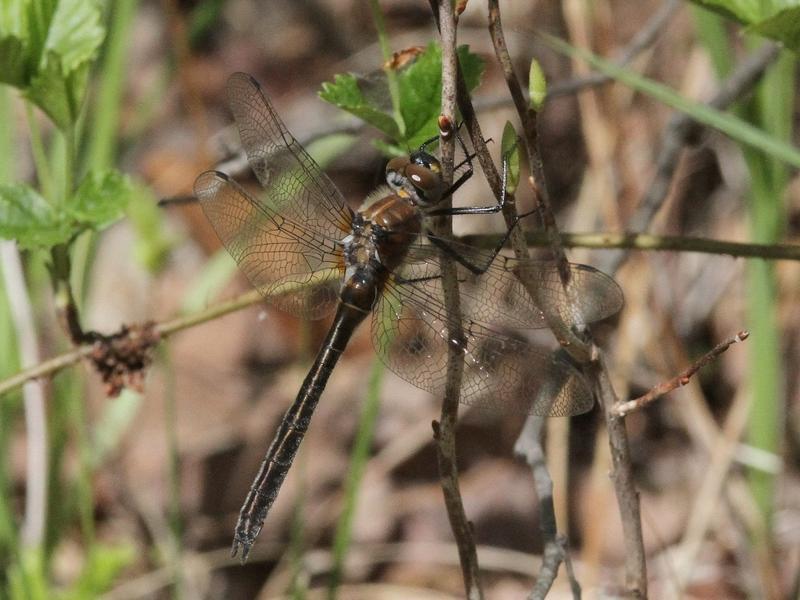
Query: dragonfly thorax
[[381, 233]]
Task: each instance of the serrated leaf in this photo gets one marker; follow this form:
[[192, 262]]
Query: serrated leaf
[[509, 147], [345, 93], [100, 199], [421, 91], [419, 86], [29, 219], [46, 49], [59, 96], [75, 33], [537, 85]]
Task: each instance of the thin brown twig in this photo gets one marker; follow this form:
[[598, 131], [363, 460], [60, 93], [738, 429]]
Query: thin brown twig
[[623, 408], [583, 350], [445, 429], [650, 242], [165, 329]]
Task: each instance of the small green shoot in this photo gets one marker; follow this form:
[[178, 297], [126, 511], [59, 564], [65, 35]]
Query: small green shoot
[[537, 85], [509, 147]]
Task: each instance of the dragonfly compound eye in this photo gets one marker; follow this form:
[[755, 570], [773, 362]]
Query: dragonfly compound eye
[[426, 182]]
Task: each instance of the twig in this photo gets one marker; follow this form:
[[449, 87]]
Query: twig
[[623, 408], [444, 431], [529, 448], [682, 130], [650, 242], [584, 351], [165, 329], [33, 398]]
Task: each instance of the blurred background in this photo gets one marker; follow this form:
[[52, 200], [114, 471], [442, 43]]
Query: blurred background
[[143, 490]]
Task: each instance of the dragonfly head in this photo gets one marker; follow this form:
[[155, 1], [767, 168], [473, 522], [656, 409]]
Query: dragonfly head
[[418, 177]]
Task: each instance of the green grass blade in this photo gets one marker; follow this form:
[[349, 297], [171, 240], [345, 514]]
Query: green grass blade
[[734, 127], [105, 114]]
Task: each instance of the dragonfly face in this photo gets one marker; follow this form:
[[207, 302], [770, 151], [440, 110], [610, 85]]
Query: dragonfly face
[[310, 254], [418, 176]]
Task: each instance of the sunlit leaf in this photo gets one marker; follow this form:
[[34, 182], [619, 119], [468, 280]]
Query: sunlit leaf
[[29, 219]]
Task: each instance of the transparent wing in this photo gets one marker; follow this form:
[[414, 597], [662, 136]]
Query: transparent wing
[[501, 373], [295, 186], [295, 267], [499, 295]]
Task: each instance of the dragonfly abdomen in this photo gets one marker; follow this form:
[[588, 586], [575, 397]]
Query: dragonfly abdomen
[[292, 429]]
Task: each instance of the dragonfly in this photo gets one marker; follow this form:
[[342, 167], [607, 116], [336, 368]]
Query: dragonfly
[[303, 247]]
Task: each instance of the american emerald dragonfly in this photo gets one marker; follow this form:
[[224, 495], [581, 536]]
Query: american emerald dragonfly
[[310, 254]]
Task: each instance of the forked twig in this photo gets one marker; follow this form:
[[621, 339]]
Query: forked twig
[[623, 408], [584, 351]]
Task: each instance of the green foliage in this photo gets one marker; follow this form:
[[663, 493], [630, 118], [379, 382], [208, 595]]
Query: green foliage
[[46, 49], [420, 87], [29, 218], [776, 19], [34, 223]]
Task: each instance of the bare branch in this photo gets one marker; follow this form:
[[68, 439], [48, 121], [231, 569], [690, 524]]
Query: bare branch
[[445, 430], [649, 242], [623, 408]]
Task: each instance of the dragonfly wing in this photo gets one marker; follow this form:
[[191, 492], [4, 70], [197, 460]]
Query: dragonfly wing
[[501, 373], [295, 267], [295, 185], [498, 294]]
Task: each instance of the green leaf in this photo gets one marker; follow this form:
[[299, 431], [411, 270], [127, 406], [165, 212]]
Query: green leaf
[[75, 33], [346, 93], [13, 58], [421, 91], [776, 19], [783, 26], [732, 126], [537, 85], [510, 152], [28, 218], [46, 49], [100, 199], [420, 88]]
